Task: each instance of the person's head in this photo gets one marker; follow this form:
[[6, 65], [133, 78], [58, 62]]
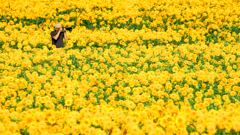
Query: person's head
[[58, 26]]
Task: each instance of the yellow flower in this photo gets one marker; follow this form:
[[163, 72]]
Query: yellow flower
[[33, 130], [163, 121], [236, 126], [149, 128], [96, 121], [116, 131], [211, 128], [83, 128], [52, 120], [175, 69], [86, 121], [107, 124], [68, 102], [29, 119], [71, 122], [13, 127], [75, 130], [130, 104], [66, 129], [133, 128], [180, 120], [200, 128], [2, 128]]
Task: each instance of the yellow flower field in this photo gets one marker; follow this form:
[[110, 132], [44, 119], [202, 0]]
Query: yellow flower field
[[135, 67]]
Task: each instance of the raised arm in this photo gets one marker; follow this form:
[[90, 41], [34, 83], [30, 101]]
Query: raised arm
[[56, 36], [65, 35]]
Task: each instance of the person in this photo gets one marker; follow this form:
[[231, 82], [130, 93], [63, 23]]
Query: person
[[58, 35]]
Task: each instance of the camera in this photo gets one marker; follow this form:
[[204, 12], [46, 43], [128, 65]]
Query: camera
[[67, 28]]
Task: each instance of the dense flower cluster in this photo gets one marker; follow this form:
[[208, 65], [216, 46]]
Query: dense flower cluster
[[120, 22], [129, 67]]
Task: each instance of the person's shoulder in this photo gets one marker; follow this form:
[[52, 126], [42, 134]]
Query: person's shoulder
[[53, 33]]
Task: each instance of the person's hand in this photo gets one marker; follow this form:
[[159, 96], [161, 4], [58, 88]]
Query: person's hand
[[64, 29], [60, 29]]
